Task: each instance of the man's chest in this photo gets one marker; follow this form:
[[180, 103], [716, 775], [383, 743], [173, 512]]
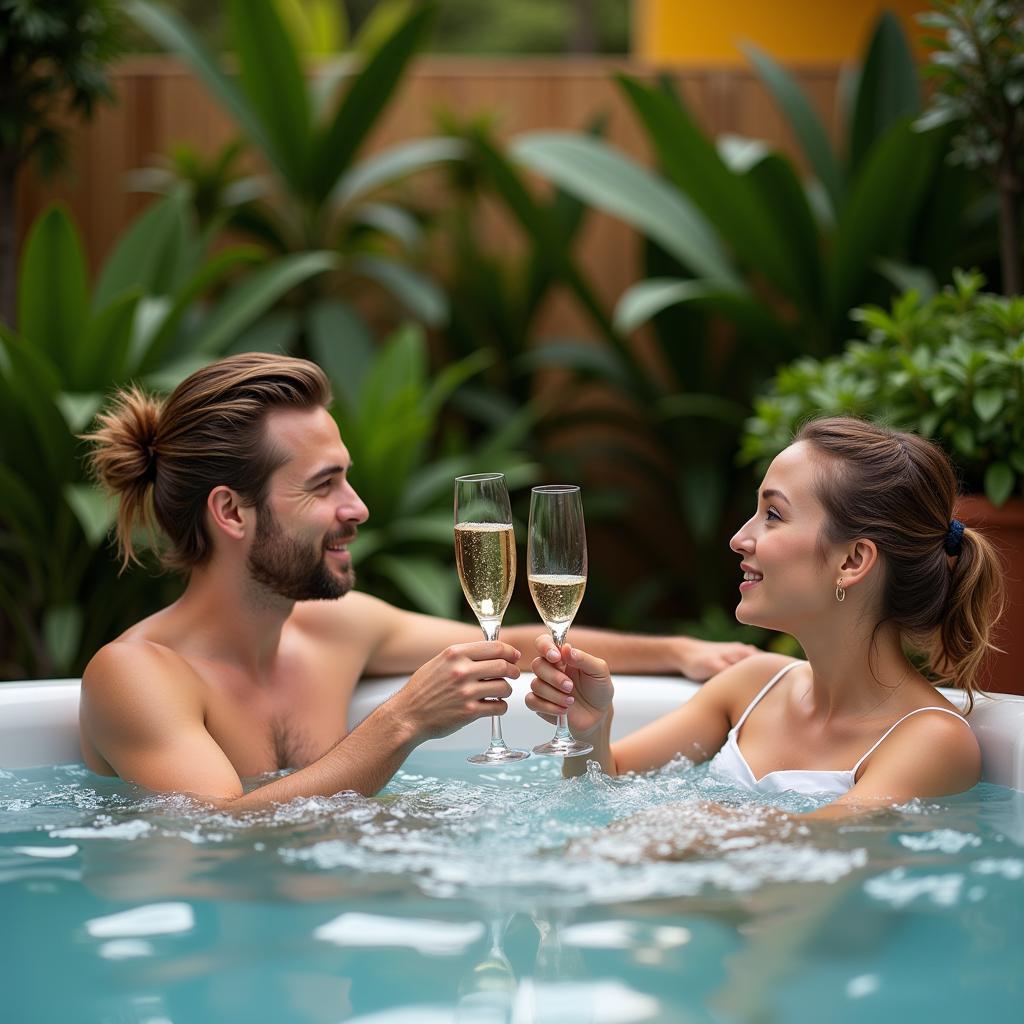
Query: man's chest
[[286, 721]]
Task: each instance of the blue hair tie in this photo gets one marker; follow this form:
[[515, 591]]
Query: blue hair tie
[[954, 537]]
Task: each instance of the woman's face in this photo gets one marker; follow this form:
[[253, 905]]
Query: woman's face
[[786, 584]]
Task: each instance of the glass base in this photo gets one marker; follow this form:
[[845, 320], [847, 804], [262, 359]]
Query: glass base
[[564, 748], [498, 755]]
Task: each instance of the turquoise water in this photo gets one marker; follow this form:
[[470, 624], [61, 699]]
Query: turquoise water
[[469, 895]]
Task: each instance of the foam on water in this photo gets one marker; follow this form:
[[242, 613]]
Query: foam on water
[[447, 830]]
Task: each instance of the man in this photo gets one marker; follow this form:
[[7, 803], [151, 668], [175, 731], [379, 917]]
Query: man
[[244, 472]]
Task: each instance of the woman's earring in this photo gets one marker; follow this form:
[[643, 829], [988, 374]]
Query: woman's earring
[[840, 592]]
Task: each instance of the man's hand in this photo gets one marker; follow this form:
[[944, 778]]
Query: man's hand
[[448, 691], [702, 659], [570, 681]]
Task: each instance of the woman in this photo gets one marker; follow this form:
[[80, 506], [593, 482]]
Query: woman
[[854, 551]]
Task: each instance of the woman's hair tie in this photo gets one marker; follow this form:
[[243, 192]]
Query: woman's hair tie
[[954, 537]]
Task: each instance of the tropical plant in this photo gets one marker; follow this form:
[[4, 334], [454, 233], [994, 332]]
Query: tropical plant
[[53, 60], [781, 259], [978, 66], [309, 136], [143, 319], [950, 367]]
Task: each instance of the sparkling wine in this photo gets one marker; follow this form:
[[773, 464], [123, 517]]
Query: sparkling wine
[[485, 556], [557, 598]]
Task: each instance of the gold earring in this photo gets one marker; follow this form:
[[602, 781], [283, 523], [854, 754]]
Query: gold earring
[[840, 592]]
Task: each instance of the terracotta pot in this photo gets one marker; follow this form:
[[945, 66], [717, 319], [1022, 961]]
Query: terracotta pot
[[1004, 527]]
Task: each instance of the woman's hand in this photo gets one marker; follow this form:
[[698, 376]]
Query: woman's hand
[[572, 682]]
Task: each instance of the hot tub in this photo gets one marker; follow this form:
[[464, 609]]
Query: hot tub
[[480, 895]]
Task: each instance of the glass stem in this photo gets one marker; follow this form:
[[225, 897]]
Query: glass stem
[[562, 726], [491, 628]]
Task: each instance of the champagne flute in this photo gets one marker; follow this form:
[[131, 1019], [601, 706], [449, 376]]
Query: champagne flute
[[485, 556], [557, 573]]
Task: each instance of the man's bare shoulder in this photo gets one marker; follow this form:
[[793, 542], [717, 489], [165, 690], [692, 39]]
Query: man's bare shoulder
[[355, 615], [134, 662]]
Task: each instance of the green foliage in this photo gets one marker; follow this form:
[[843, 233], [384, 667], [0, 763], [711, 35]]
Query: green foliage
[[978, 67], [147, 318], [53, 58], [310, 135], [950, 368], [778, 257]]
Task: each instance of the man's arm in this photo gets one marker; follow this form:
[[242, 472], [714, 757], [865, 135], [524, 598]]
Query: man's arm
[[142, 711], [407, 639]]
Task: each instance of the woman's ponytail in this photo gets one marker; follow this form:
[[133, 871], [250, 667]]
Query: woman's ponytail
[[973, 606]]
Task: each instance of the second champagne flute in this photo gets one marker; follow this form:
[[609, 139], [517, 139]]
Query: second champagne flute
[[485, 556], [556, 565]]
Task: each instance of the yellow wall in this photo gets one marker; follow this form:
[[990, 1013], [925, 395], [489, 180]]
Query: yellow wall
[[803, 31]]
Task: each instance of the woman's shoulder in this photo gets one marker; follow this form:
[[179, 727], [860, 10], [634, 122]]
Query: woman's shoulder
[[739, 684], [924, 753]]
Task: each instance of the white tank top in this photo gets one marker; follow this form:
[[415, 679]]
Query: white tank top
[[730, 764]]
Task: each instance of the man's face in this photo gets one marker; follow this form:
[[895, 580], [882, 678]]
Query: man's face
[[311, 512], [294, 568]]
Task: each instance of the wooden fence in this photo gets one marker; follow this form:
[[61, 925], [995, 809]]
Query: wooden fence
[[160, 103]]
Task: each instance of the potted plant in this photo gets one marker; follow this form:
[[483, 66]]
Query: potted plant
[[950, 368]]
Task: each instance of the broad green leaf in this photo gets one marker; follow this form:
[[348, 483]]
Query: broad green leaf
[[78, 409], [317, 27], [450, 377], [102, 356], [253, 296], [173, 34], [907, 278], [24, 510], [887, 90], [987, 403], [804, 121], [152, 349], [62, 634], [579, 356], [273, 83], [94, 511], [394, 163], [601, 175], [646, 299], [550, 228], [417, 293], [44, 453], [430, 585], [728, 200], [341, 342], [361, 107], [391, 220], [883, 199], [999, 481], [278, 331], [53, 306], [785, 202], [148, 255]]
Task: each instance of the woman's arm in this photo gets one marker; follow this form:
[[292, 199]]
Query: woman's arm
[[929, 755], [577, 684]]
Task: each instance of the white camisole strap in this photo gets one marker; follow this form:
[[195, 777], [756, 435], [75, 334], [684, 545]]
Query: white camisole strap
[[878, 743], [767, 686]]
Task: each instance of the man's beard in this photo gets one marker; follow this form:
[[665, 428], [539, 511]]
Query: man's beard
[[291, 569]]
